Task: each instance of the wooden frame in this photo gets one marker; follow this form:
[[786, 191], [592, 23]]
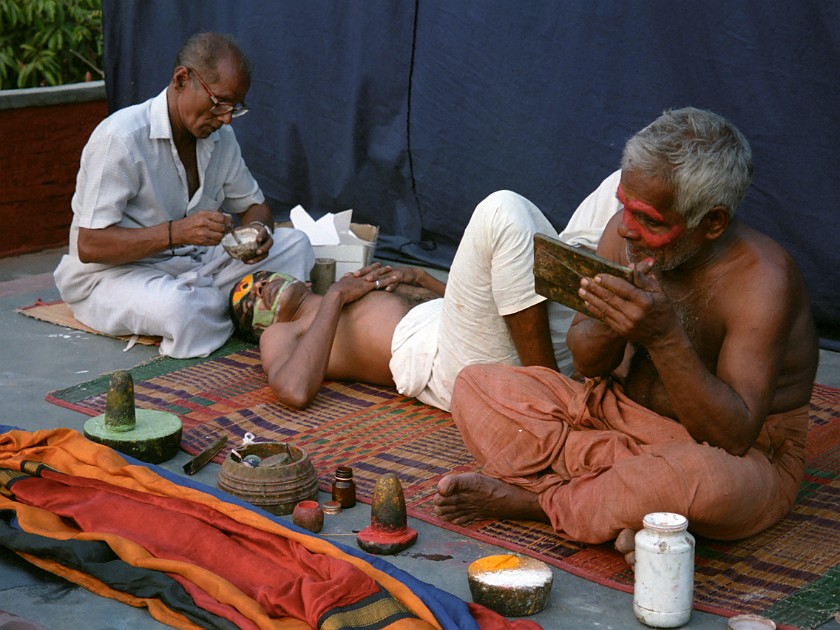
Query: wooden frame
[[558, 268]]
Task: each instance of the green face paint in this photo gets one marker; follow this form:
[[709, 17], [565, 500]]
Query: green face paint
[[264, 315], [249, 312]]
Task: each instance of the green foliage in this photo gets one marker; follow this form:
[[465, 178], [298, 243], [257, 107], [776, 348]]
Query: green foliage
[[49, 42]]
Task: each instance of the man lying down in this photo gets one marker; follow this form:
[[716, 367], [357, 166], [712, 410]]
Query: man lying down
[[402, 327], [697, 376]]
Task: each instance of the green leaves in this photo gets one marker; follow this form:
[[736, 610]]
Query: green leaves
[[49, 42]]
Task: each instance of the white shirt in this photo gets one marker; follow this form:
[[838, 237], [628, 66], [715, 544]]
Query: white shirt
[[131, 176]]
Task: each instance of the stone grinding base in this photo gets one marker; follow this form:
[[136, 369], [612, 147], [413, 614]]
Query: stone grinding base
[[511, 585], [383, 542], [155, 438]]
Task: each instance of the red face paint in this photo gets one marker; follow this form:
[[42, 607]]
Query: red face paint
[[654, 236]]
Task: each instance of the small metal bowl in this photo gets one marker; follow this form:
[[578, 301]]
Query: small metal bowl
[[247, 246]]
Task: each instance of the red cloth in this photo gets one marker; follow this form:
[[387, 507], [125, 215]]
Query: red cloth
[[96, 467], [281, 575], [600, 462]]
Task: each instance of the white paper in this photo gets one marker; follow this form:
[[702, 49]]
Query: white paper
[[330, 229]]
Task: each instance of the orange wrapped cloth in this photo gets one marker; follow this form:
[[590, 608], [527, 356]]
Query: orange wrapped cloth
[[599, 461]]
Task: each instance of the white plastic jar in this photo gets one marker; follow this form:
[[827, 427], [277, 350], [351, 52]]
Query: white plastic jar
[[664, 590]]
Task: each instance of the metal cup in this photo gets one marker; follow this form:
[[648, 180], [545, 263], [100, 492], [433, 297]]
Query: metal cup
[[322, 275]]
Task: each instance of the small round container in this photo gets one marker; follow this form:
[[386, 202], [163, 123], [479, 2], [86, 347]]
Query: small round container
[[332, 507], [308, 515], [664, 571], [322, 275], [509, 584], [750, 622], [247, 248]]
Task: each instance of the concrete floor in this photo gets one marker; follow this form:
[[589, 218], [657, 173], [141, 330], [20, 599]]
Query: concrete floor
[[36, 358]]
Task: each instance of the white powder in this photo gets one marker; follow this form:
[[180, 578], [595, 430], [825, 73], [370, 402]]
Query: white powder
[[515, 577]]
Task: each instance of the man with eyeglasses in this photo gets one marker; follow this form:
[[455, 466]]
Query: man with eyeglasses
[[159, 185]]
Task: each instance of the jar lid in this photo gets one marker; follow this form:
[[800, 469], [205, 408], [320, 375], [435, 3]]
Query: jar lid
[[344, 472], [331, 507], [750, 622], [665, 521]]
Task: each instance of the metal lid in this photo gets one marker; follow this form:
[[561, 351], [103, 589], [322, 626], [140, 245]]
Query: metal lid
[[331, 507], [344, 472], [665, 521], [750, 622]]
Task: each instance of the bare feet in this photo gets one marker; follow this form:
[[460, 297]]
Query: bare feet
[[466, 497], [626, 544]]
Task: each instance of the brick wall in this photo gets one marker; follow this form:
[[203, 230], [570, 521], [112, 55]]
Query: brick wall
[[39, 159]]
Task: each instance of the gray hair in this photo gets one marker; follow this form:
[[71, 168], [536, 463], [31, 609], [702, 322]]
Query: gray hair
[[203, 51], [703, 158]]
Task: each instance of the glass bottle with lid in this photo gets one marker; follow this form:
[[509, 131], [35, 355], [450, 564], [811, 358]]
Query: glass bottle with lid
[[344, 488]]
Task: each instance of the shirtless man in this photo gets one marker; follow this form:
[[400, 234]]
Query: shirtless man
[[699, 374], [339, 336], [381, 325]]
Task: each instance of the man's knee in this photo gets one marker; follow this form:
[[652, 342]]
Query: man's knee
[[292, 239], [291, 253], [505, 203], [465, 383], [507, 212], [469, 373], [472, 381]]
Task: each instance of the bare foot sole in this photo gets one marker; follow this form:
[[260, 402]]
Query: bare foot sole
[[626, 544], [466, 497]]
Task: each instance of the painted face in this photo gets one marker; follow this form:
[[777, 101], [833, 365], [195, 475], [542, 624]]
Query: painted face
[[254, 301], [654, 229], [651, 233]]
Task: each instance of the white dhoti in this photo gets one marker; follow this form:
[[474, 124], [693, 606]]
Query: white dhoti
[[491, 277], [183, 299]]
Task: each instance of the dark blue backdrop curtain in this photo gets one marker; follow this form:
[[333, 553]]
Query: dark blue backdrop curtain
[[410, 112]]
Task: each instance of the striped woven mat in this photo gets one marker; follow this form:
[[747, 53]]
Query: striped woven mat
[[790, 572]]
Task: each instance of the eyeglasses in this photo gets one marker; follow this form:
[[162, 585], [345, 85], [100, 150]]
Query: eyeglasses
[[221, 108]]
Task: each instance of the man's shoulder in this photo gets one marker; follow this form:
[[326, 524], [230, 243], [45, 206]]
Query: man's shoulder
[[126, 122], [764, 251], [758, 270]]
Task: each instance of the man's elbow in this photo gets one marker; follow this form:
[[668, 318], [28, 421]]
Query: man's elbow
[[296, 398], [87, 257], [86, 251], [297, 403]]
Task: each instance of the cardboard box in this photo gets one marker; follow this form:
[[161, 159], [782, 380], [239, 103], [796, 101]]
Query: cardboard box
[[352, 255]]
